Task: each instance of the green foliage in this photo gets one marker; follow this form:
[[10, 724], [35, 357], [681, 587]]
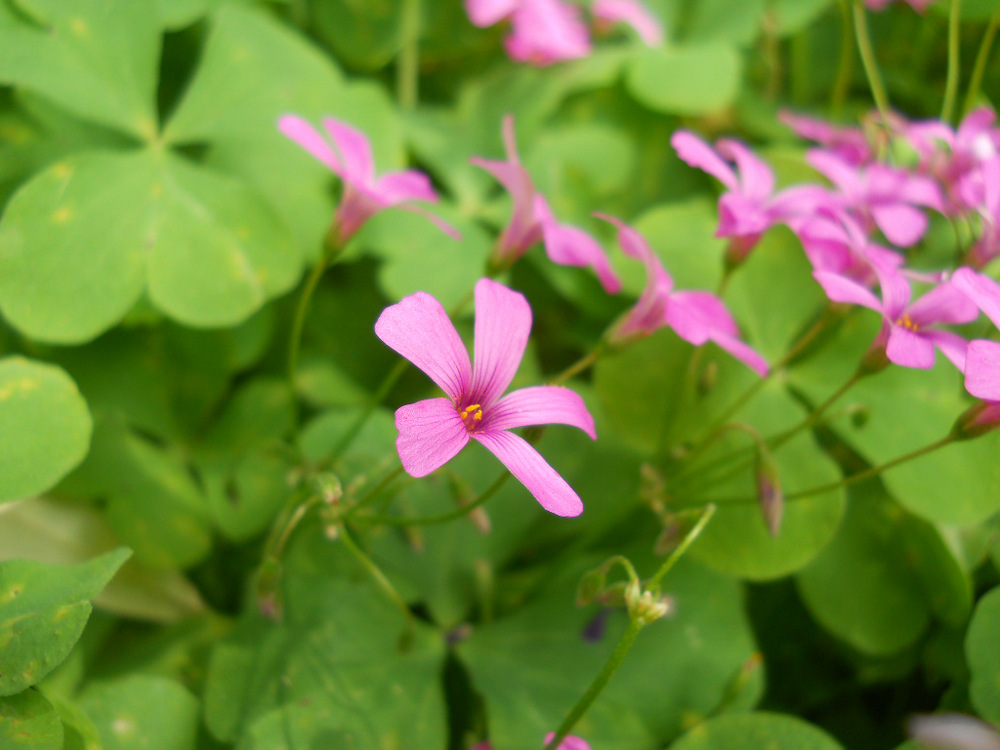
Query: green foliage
[[983, 653], [43, 609], [756, 731], [44, 427], [142, 711], [27, 720]]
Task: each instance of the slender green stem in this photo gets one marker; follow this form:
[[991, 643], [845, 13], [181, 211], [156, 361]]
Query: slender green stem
[[408, 62], [375, 491], [383, 390], [276, 547], [845, 67], [954, 61], [871, 471], [681, 548], [597, 686], [868, 60], [443, 517], [381, 580], [817, 413], [580, 365], [295, 342], [628, 637], [982, 57]]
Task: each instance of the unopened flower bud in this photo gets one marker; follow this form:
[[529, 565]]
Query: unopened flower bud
[[327, 486], [649, 608], [591, 586], [978, 419]]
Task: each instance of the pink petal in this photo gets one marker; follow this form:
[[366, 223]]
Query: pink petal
[[944, 303], [304, 134], [525, 463], [902, 224], [982, 369], [836, 170], [982, 290], [430, 434], [953, 346], [570, 246], [547, 31], [409, 185], [570, 743], [909, 349], [437, 221], [840, 289], [895, 289], [523, 231], [418, 328], [695, 316], [696, 153], [921, 191], [741, 216], [354, 149], [488, 12], [756, 178], [540, 404], [633, 13], [503, 323], [977, 123], [743, 352]]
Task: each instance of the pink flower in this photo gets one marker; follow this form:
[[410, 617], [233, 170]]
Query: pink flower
[[982, 363], [881, 195], [364, 195], [750, 207], [542, 31], [906, 334], [833, 241], [532, 221], [850, 144], [433, 431], [631, 12], [987, 246], [570, 743], [697, 317]]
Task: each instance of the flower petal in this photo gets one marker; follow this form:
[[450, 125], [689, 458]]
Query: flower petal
[[488, 12], [540, 404], [756, 178], [409, 185], [902, 224], [743, 352], [354, 149], [909, 349], [570, 246], [982, 369], [632, 13], [695, 316], [430, 434], [304, 134], [418, 328], [696, 153], [953, 346], [982, 290], [503, 323], [945, 303], [525, 463], [841, 289]]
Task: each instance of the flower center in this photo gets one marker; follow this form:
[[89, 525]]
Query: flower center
[[472, 415], [908, 324]]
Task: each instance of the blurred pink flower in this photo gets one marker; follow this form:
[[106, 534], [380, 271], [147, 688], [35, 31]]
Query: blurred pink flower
[[631, 12], [532, 221], [433, 431], [850, 144], [697, 317], [750, 207], [982, 362], [906, 334], [881, 195], [833, 241], [348, 155], [542, 31], [570, 743]]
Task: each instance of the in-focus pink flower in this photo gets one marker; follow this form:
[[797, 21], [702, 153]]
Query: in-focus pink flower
[[881, 195], [532, 221], [348, 155], [542, 31], [833, 241], [631, 12], [433, 431], [750, 207], [906, 334], [697, 317], [982, 361]]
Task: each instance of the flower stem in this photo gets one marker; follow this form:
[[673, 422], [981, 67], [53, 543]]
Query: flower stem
[[295, 342], [816, 415], [982, 57], [868, 60], [443, 517], [580, 365], [628, 637], [383, 583], [374, 493], [954, 61], [871, 471], [408, 61], [845, 68]]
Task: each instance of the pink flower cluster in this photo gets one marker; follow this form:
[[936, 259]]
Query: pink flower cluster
[[855, 229], [543, 32]]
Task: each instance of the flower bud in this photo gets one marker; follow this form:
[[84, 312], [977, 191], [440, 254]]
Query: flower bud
[[978, 419]]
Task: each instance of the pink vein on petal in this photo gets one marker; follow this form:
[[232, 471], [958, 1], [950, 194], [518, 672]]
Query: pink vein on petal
[[430, 434], [503, 323], [541, 404]]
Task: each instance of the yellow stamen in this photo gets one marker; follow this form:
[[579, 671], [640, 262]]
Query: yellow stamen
[[478, 415], [465, 412], [908, 324]]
